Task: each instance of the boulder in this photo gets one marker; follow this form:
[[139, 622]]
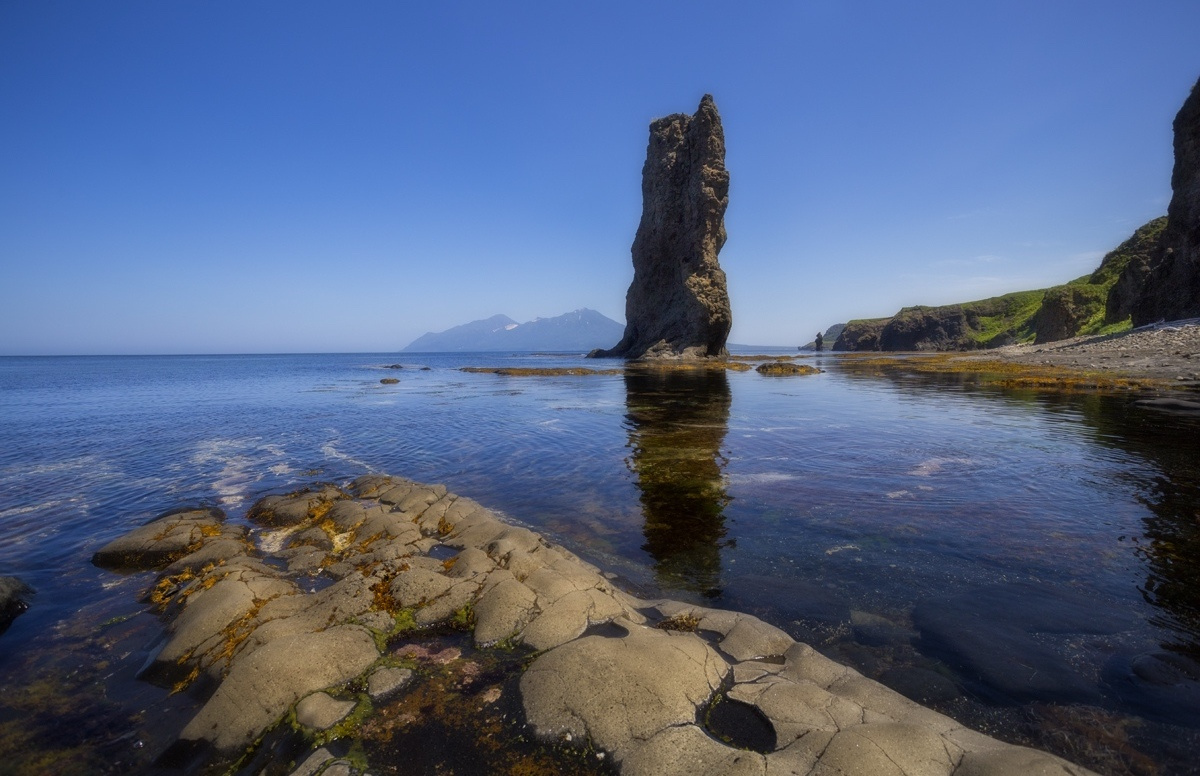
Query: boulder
[[678, 304]]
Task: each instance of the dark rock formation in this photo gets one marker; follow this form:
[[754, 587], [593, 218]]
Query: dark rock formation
[[1167, 287], [926, 328], [678, 305], [861, 335], [1129, 264], [913, 328], [12, 600], [827, 339]]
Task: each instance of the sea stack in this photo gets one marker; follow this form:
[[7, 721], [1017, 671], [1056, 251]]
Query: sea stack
[[1170, 281], [678, 305]]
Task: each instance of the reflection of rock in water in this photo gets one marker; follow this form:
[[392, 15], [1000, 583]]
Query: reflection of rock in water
[[677, 420], [1171, 544], [1165, 434]]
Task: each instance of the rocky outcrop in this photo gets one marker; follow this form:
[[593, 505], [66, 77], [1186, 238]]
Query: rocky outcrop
[[1065, 310], [1126, 268], [167, 538], [628, 677], [784, 368], [1167, 285], [926, 328], [860, 334], [913, 328], [828, 338], [678, 304]]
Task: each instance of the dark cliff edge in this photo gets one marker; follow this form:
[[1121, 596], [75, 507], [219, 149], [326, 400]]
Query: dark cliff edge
[[1165, 284]]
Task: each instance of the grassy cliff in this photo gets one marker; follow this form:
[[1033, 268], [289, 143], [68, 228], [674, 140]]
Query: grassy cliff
[[1073, 309]]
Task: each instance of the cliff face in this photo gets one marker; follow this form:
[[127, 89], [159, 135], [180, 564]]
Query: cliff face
[[1166, 286], [1000, 320], [925, 328], [678, 305], [862, 334]]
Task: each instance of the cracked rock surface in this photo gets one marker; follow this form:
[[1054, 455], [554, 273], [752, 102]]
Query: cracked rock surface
[[630, 678]]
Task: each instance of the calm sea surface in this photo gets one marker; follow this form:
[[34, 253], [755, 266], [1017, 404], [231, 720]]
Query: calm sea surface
[[1028, 563]]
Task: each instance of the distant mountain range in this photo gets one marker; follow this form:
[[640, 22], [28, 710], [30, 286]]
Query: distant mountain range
[[581, 330]]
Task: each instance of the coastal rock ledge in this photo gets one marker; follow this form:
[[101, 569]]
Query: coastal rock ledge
[[625, 677], [678, 304]]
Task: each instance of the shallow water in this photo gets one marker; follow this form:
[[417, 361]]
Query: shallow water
[[1029, 563]]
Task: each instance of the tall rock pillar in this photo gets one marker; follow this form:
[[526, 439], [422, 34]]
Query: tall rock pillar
[[678, 305]]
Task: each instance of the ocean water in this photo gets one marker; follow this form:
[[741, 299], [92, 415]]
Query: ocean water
[[1026, 562]]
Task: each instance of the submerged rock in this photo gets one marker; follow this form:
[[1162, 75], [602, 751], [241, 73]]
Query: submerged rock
[[12, 600], [995, 635], [678, 304]]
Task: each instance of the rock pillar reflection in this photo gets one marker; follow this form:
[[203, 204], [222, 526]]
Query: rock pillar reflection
[[677, 420]]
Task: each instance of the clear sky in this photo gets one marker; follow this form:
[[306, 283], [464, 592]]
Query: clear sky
[[282, 176]]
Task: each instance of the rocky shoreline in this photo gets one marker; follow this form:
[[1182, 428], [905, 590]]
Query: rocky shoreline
[[1167, 352], [311, 627]]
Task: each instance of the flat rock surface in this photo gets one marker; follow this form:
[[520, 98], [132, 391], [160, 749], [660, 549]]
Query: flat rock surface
[[633, 679], [620, 691], [321, 711]]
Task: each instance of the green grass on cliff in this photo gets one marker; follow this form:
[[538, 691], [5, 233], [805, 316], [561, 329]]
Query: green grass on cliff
[[1003, 317], [1072, 309]]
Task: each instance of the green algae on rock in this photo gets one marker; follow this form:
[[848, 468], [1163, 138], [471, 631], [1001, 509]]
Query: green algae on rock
[[784, 368]]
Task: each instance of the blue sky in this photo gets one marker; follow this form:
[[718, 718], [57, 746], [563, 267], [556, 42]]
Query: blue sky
[[200, 177]]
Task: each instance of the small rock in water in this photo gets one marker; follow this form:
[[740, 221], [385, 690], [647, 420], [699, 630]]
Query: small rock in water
[[920, 684], [387, 681]]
